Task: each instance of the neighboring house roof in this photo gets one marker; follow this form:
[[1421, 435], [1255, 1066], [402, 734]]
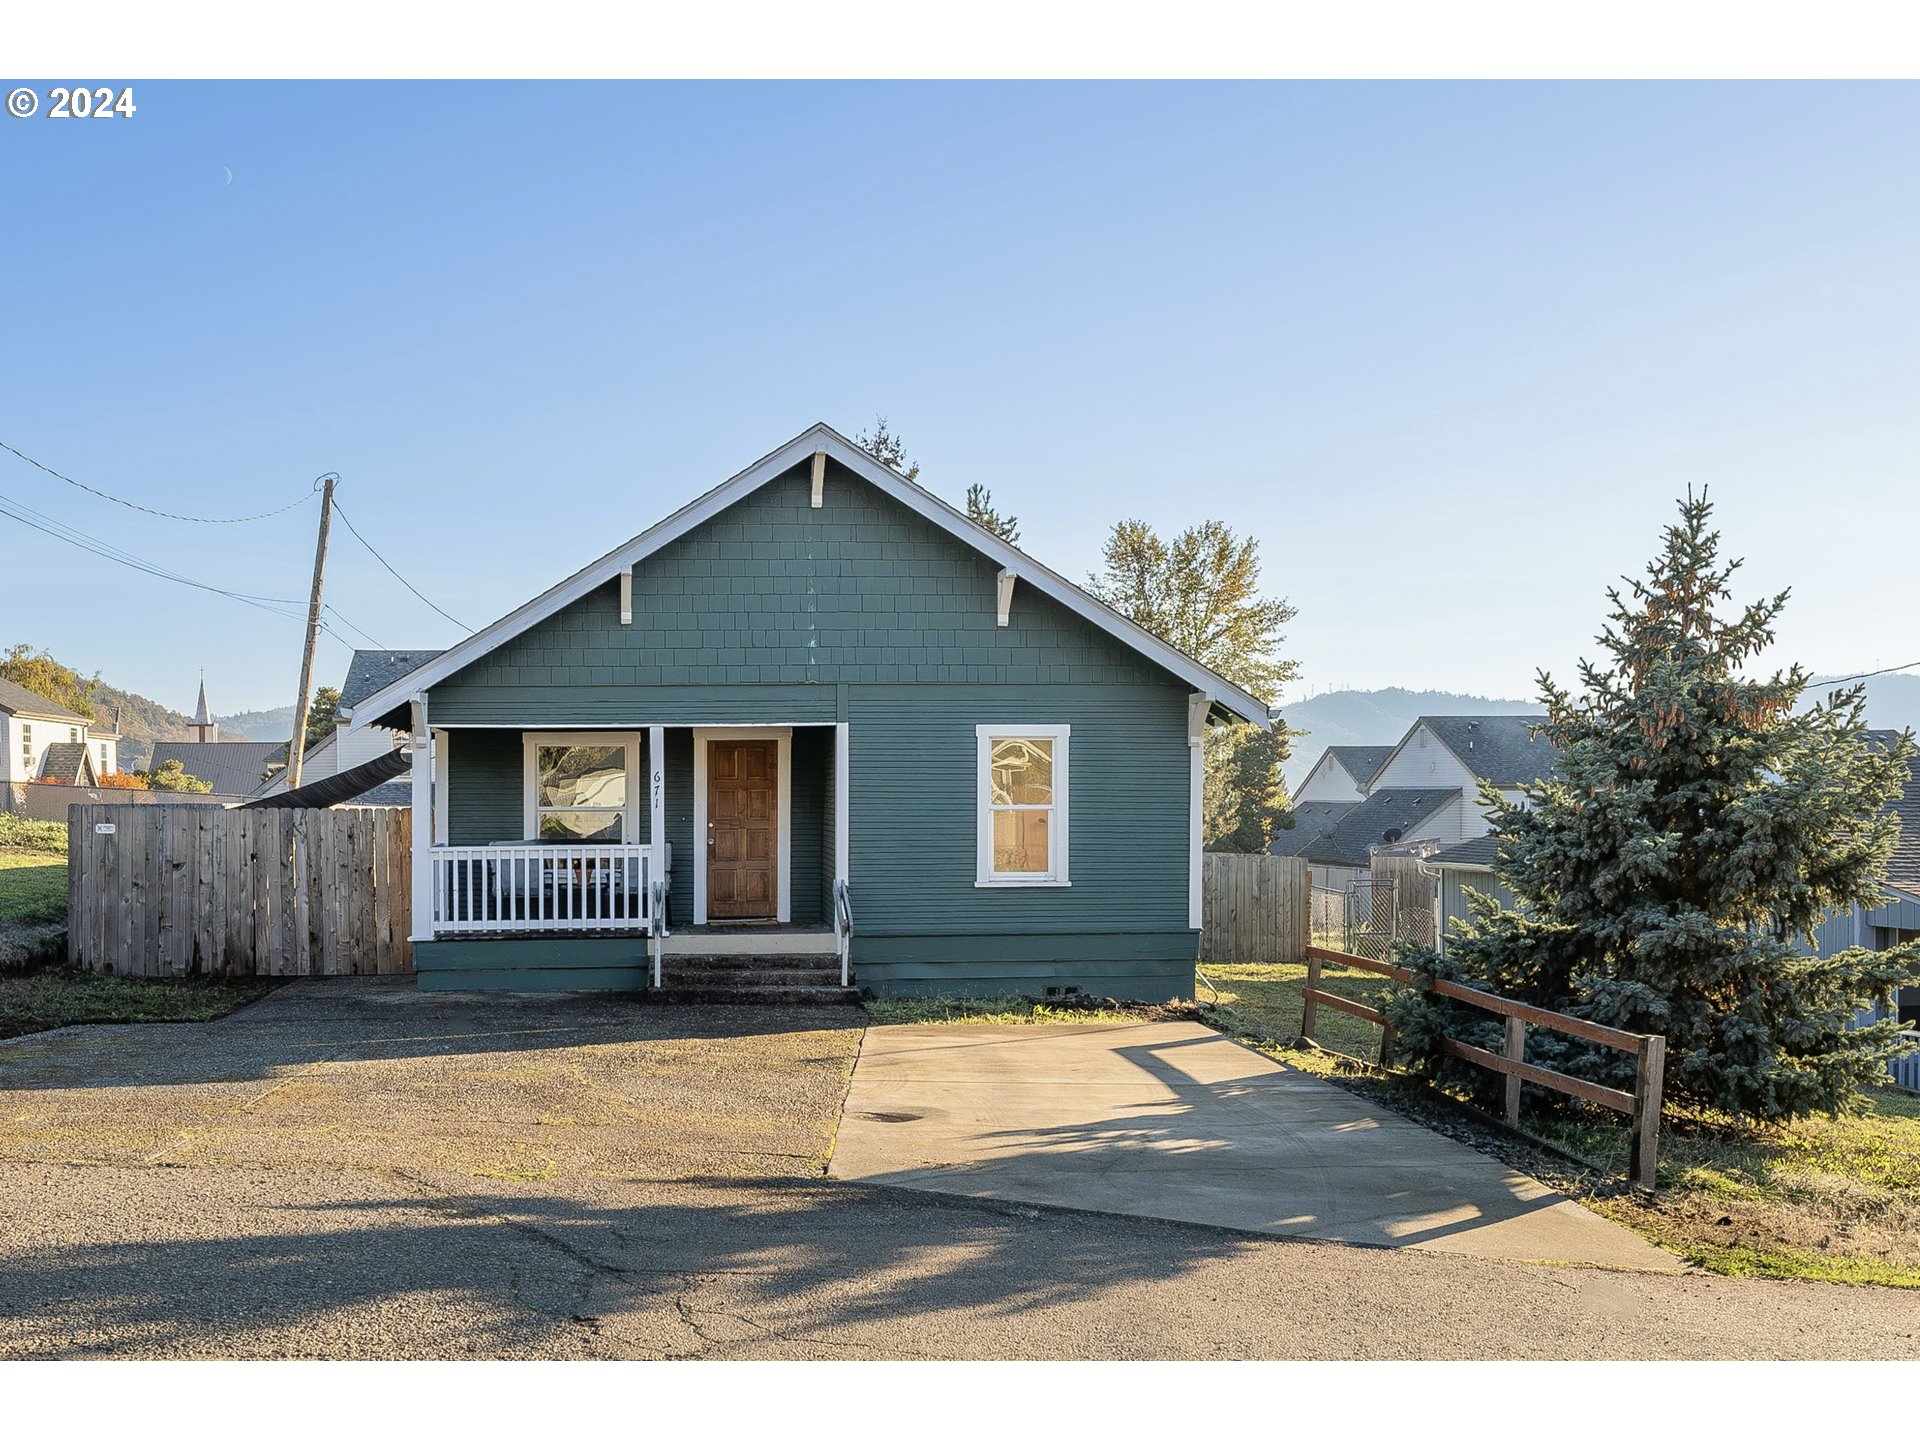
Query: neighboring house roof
[[816, 439], [1474, 854], [1383, 818], [1362, 762], [1499, 748], [357, 785], [278, 780], [232, 766], [1903, 869], [16, 699], [68, 763], [374, 670], [1311, 820]]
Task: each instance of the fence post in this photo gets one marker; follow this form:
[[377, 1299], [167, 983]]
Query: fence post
[[1515, 1049], [1308, 1007], [1649, 1076]]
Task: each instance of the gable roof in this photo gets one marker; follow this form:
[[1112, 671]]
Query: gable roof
[[1474, 854], [1362, 762], [1311, 820], [16, 699], [68, 763], [232, 766], [1499, 748], [1903, 868], [820, 438], [374, 670], [1382, 814]]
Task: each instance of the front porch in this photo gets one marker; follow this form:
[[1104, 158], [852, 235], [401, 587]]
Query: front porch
[[597, 858]]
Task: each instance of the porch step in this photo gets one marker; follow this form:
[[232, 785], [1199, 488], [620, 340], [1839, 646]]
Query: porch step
[[754, 979], [749, 964], [684, 994]]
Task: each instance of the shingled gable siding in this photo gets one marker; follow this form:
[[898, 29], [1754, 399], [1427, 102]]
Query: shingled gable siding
[[776, 612]]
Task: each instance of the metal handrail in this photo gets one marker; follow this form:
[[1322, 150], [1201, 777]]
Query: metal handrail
[[843, 927]]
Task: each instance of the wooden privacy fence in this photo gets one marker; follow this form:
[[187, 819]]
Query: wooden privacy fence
[[1642, 1103], [1253, 909], [196, 890]]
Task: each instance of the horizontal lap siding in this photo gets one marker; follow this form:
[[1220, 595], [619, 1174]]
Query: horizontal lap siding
[[487, 788], [774, 612], [915, 817]]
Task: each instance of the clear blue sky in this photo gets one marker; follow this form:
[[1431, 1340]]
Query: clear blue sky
[[1449, 351]]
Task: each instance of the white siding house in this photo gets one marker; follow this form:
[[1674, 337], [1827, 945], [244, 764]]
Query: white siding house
[[1342, 774], [32, 725], [1456, 752]]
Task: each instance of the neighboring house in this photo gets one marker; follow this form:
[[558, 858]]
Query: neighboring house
[[1341, 774], [1340, 849], [816, 692], [1457, 752], [234, 768], [41, 739], [344, 748], [1458, 869], [1469, 866]]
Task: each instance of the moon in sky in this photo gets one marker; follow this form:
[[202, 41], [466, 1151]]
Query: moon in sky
[[229, 174]]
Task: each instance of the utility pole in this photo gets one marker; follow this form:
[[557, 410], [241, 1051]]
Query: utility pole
[[297, 750]]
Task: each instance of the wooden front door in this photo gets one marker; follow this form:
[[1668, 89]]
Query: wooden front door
[[743, 824]]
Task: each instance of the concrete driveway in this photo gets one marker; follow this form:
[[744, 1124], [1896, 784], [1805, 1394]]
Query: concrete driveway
[[1174, 1121], [352, 1169]]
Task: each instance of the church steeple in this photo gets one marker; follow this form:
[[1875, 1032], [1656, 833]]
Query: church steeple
[[203, 728]]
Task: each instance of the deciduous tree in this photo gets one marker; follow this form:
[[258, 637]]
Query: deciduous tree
[[1201, 593]]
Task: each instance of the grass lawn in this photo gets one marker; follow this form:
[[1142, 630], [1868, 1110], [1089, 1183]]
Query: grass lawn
[[52, 998], [1819, 1199], [33, 885], [1013, 1010]]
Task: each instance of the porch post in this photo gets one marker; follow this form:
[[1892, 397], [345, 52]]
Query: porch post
[[842, 819], [1197, 707], [656, 831], [420, 750], [842, 789]]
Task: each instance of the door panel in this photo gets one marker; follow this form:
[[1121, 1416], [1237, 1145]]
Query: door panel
[[743, 841]]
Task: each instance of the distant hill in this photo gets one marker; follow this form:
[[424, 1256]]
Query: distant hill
[[140, 721], [1893, 701], [1381, 717], [1376, 717], [257, 724]]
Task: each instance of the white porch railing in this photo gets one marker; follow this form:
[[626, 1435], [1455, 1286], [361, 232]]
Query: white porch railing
[[512, 889]]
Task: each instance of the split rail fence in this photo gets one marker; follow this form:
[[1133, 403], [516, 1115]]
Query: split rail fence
[[199, 890], [1642, 1103]]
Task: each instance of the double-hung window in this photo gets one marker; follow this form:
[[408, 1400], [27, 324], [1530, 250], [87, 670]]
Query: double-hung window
[[1022, 781], [580, 787]]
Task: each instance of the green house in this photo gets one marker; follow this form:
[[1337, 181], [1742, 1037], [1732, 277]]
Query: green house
[[815, 718]]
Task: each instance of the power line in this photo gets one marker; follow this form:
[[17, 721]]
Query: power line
[[79, 539], [163, 514], [328, 607], [1869, 674], [395, 573]]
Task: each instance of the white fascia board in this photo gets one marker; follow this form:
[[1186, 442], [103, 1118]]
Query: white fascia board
[[817, 438]]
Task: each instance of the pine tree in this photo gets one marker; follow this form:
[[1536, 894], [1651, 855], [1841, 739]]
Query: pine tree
[[980, 510], [1670, 875], [1201, 594], [888, 449], [323, 715]]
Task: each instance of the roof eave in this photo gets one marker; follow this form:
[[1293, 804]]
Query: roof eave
[[1223, 693]]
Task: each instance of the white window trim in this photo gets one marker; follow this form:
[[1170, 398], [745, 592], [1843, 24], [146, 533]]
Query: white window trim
[[1057, 832], [530, 775], [783, 784]]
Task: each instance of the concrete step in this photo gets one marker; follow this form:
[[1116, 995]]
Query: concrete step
[[758, 979], [732, 964], [672, 994]]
